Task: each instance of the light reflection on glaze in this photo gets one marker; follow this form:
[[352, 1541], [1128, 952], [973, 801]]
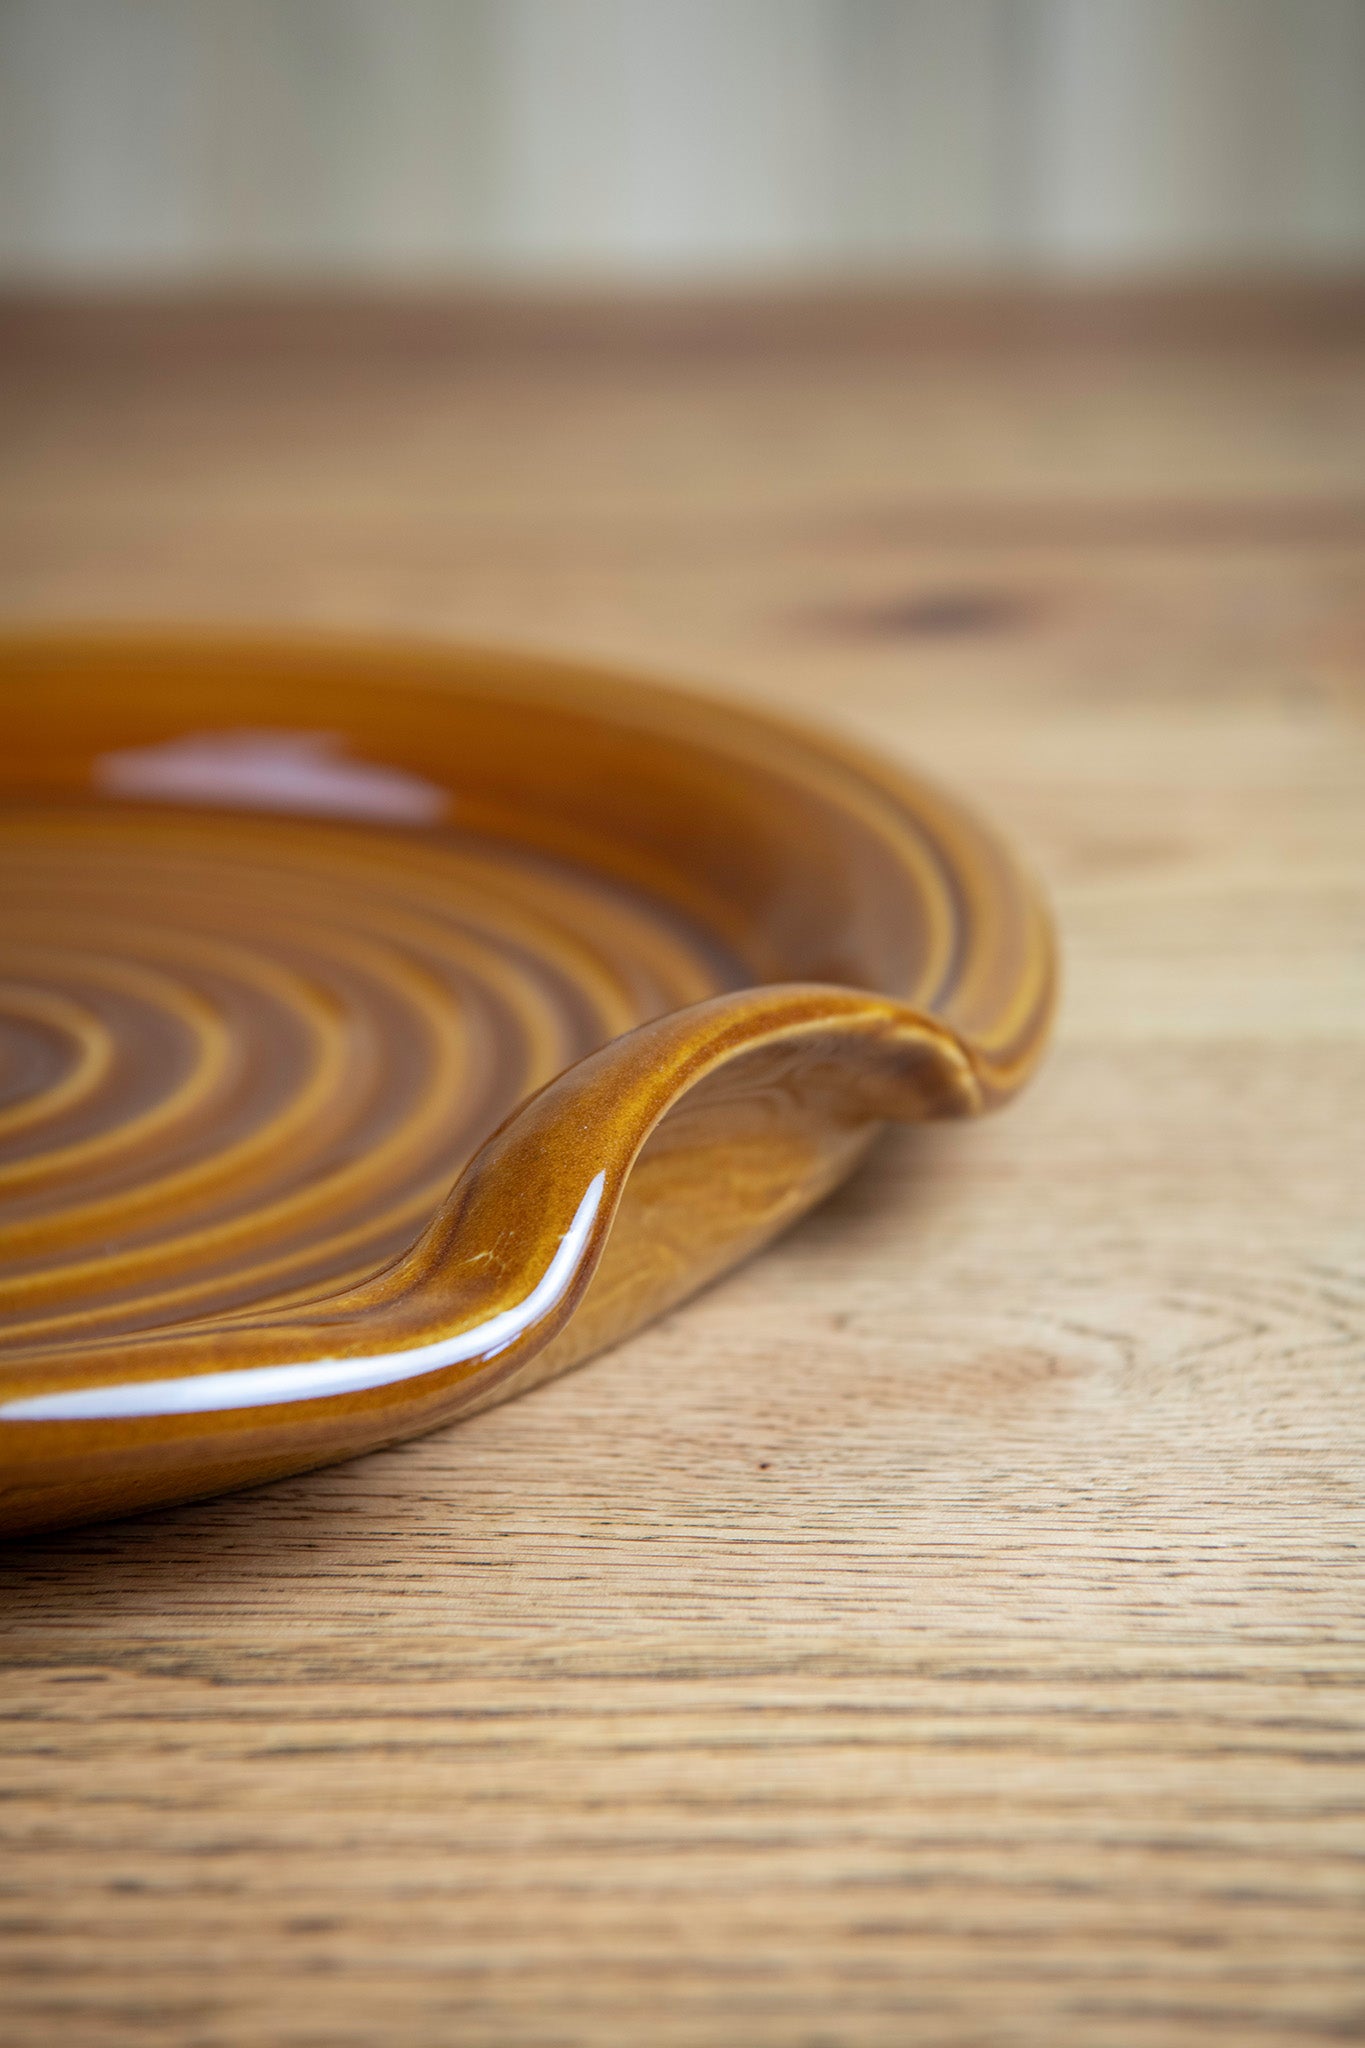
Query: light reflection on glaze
[[302, 773], [320, 1379]]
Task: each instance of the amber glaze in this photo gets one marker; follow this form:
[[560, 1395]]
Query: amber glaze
[[296, 935]]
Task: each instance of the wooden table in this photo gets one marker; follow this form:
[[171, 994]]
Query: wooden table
[[948, 1630]]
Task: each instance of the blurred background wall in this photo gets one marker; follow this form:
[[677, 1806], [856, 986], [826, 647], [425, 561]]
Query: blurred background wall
[[677, 139]]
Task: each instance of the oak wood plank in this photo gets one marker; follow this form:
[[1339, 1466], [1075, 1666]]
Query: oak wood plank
[[950, 1629]]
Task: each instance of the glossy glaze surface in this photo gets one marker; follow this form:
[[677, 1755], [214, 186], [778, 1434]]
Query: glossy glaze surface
[[385, 1030]]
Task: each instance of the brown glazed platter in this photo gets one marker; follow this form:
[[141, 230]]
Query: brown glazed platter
[[386, 1029]]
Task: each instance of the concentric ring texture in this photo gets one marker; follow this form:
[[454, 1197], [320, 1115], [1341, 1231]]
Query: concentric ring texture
[[243, 1058]]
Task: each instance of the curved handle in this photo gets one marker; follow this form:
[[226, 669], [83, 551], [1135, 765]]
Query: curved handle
[[628, 1182]]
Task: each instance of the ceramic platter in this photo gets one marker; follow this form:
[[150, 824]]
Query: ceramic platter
[[384, 1030]]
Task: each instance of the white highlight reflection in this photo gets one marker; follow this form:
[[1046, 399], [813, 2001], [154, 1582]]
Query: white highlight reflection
[[265, 1386], [300, 772]]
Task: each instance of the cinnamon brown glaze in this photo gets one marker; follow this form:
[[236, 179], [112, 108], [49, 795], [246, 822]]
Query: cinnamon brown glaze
[[383, 1030]]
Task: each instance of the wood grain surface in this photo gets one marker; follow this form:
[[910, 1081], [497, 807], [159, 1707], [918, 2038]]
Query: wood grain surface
[[951, 1629]]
